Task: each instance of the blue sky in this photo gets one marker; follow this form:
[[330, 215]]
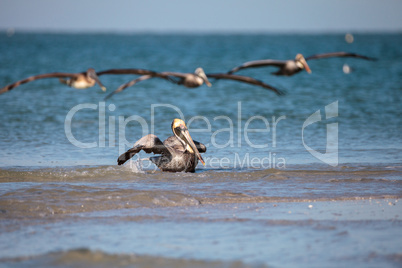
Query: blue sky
[[202, 15]]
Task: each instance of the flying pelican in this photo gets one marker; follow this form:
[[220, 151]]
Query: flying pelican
[[291, 67], [78, 80], [190, 80], [195, 79], [177, 153]]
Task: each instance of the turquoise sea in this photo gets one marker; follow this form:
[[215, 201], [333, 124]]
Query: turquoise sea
[[312, 178]]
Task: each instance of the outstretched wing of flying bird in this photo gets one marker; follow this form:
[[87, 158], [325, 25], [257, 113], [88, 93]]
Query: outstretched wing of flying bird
[[139, 79], [246, 79], [258, 63], [126, 71], [339, 54], [39, 76]]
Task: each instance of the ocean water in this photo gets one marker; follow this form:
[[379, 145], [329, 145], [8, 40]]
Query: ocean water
[[312, 178]]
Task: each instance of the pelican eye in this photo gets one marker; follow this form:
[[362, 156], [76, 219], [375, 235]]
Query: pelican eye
[[178, 130]]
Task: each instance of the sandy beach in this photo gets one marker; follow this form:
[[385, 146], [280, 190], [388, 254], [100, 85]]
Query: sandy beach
[[313, 233]]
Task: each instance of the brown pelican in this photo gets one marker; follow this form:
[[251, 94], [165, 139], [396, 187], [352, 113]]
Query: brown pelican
[[195, 79], [291, 67], [190, 80], [177, 153], [77, 80]]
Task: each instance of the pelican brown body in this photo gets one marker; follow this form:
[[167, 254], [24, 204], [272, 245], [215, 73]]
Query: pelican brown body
[[177, 153], [291, 67]]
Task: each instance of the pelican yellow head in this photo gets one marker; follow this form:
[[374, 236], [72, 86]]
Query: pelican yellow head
[[180, 130]]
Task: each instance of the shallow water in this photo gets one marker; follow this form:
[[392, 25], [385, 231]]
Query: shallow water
[[262, 199], [94, 216], [36, 193]]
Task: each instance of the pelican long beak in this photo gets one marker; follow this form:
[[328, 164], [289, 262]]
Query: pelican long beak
[[200, 72], [304, 62], [92, 74], [100, 84], [182, 132], [205, 78]]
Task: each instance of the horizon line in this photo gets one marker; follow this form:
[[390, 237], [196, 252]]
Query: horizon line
[[12, 31]]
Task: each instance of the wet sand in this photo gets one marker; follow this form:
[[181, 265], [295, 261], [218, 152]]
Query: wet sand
[[358, 233]]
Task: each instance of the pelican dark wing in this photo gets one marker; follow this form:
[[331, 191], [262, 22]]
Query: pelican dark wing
[[129, 84], [258, 63], [245, 79], [149, 144], [135, 81], [39, 76], [200, 146], [339, 54], [126, 71]]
